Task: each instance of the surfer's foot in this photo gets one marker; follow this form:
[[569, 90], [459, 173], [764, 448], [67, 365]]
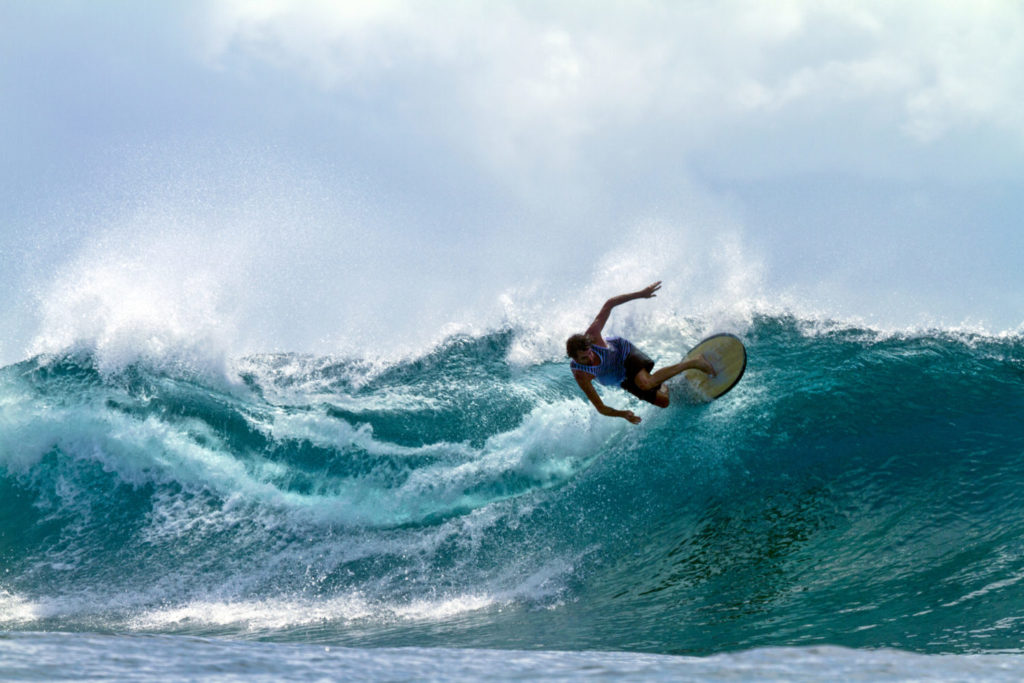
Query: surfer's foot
[[704, 366]]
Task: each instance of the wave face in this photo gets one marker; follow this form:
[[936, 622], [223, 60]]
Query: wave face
[[857, 488]]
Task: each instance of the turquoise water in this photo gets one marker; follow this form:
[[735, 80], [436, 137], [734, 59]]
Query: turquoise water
[[858, 490]]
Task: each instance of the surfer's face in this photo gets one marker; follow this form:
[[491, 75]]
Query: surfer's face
[[587, 357]]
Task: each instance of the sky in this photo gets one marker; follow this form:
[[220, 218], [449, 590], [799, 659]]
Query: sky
[[285, 175]]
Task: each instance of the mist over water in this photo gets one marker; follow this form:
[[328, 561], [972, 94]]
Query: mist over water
[[273, 265]]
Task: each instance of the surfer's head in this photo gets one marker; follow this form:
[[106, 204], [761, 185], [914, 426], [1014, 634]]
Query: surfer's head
[[577, 344]]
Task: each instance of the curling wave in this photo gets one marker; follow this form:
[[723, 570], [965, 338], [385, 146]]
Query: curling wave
[[857, 488]]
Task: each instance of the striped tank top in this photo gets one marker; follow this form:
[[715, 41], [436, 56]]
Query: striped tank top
[[612, 369]]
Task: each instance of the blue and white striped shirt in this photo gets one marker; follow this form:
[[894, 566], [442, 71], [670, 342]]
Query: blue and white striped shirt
[[612, 369]]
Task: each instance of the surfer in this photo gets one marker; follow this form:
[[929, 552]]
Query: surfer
[[616, 361]]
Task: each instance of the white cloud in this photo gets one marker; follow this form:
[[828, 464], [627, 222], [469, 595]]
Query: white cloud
[[528, 80], [971, 61], [329, 42]]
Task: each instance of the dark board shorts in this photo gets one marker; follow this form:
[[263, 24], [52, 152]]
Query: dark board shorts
[[636, 361]]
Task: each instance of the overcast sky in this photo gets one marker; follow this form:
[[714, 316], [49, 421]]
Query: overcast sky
[[300, 175]]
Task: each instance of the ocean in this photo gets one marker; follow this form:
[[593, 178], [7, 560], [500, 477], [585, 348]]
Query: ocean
[[852, 509]]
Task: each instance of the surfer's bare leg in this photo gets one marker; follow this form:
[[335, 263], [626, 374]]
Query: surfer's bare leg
[[646, 380]]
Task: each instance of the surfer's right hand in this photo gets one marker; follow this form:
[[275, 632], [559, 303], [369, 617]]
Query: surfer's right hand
[[648, 292], [632, 417]]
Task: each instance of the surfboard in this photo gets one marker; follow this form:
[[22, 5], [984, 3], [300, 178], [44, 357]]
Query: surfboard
[[727, 356]]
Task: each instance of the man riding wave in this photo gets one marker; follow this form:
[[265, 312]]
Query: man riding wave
[[615, 360]]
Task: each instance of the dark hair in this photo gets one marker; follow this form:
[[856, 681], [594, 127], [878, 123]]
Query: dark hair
[[577, 343]]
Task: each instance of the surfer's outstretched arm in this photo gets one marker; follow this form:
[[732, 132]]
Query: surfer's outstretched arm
[[587, 385], [602, 317]]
